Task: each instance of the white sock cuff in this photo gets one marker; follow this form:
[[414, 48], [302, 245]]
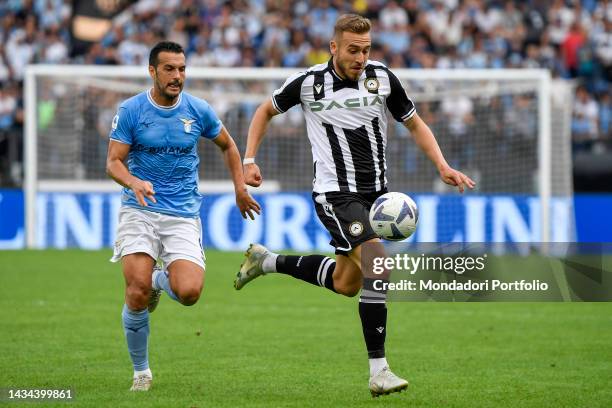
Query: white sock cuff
[[146, 372], [269, 263], [377, 364]]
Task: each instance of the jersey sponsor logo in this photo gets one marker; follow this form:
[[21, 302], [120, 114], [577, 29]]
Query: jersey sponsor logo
[[187, 124], [115, 122], [356, 228], [175, 150], [350, 103], [371, 84], [318, 88]]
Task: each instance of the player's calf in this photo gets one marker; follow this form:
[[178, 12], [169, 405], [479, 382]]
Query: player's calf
[[347, 277], [347, 289]]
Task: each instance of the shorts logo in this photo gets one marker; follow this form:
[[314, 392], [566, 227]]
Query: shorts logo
[[356, 228], [371, 84]]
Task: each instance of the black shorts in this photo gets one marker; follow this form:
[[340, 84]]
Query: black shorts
[[346, 217]]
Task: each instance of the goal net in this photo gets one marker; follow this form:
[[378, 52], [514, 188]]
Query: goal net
[[507, 129]]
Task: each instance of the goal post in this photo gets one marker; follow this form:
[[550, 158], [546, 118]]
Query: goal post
[[509, 134]]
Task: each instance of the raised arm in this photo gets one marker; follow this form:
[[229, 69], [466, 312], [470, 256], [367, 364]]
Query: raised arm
[[426, 141], [257, 130], [116, 169], [231, 156]]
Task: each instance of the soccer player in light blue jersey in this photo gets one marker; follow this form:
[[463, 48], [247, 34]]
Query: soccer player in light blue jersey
[[157, 133]]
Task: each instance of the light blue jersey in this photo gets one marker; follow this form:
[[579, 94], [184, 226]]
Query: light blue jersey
[[163, 149]]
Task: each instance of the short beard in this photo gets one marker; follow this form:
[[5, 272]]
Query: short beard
[[348, 76], [162, 92]]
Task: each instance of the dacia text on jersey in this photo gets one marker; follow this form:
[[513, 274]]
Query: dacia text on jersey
[[350, 103]]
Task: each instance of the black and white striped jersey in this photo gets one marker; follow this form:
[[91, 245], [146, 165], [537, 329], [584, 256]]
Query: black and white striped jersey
[[346, 123]]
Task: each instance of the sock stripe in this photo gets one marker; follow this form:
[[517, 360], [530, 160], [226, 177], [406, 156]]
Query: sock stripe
[[321, 266], [325, 270], [319, 271], [315, 269], [367, 299], [373, 294]]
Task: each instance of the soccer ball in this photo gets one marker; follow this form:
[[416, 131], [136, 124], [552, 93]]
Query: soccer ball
[[394, 216]]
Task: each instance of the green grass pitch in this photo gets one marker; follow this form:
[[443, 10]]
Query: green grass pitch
[[282, 343]]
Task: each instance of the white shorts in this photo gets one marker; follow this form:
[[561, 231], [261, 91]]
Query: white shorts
[[163, 237]]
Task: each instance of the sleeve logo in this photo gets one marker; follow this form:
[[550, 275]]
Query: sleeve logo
[[115, 122]]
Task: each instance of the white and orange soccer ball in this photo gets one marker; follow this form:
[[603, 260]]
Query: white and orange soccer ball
[[394, 216]]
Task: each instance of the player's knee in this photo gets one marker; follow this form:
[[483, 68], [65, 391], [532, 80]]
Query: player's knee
[[189, 296], [137, 296]]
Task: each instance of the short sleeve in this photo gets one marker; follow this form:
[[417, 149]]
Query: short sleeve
[[211, 124], [122, 126], [398, 103], [290, 94]]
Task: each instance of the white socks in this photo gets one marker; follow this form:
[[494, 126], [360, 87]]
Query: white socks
[[146, 372], [377, 364], [269, 263]]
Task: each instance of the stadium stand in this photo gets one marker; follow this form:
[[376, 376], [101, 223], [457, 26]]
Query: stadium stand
[[571, 38]]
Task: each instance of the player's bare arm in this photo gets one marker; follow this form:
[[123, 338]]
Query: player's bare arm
[[426, 141], [116, 169], [244, 201], [257, 130]]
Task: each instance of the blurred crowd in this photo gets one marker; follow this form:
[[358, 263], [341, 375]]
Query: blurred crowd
[[572, 38]]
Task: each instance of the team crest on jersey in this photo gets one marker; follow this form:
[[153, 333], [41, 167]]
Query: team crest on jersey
[[356, 228], [187, 124], [371, 84]]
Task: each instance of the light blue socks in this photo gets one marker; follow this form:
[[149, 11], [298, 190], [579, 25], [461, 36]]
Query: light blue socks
[[162, 281], [136, 327]]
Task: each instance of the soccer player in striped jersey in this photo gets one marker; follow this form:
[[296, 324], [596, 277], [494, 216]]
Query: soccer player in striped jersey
[[345, 103], [157, 133]]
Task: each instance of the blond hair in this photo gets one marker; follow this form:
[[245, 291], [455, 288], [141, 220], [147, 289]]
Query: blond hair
[[353, 23]]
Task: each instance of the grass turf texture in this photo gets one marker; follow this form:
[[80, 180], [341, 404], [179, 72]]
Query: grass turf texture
[[283, 343]]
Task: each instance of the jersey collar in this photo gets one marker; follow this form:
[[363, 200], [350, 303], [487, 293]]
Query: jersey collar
[[177, 103], [339, 82]]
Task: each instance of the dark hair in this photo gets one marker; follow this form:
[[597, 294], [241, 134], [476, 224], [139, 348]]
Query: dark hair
[[164, 46]]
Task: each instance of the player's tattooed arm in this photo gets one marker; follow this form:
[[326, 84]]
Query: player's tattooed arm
[[257, 130], [116, 169], [425, 139], [246, 204]]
